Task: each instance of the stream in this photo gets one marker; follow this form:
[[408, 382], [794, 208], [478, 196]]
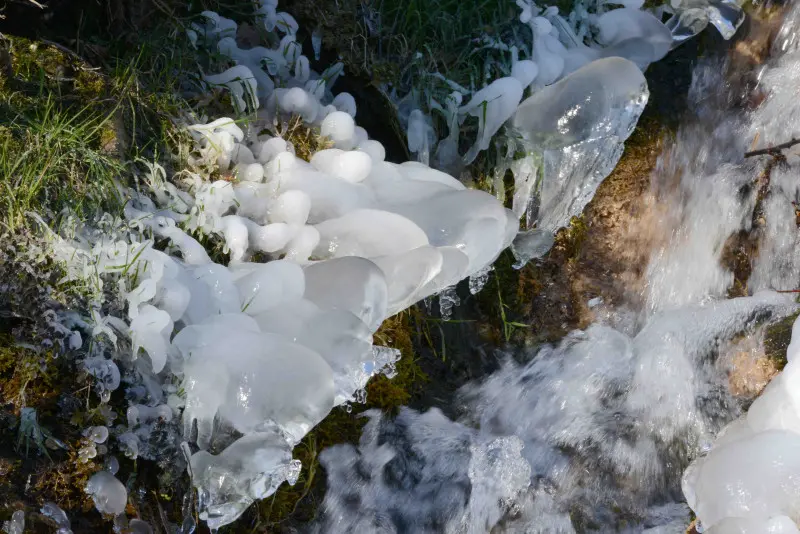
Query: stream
[[593, 434]]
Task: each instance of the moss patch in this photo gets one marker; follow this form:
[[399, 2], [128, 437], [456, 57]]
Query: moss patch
[[777, 338]]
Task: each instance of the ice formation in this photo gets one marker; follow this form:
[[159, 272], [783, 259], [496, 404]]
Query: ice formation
[[611, 416], [108, 493], [244, 359], [16, 525], [580, 124], [574, 67]]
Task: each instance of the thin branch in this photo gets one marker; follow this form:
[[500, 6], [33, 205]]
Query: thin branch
[[788, 291], [774, 150]]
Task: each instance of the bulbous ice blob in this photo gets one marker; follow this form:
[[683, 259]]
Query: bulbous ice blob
[[633, 34], [108, 493], [344, 342], [374, 149], [393, 184], [302, 70], [271, 148], [420, 135], [351, 283], [59, 516], [525, 72], [422, 173], [264, 379], [291, 207], [493, 106], [270, 284], [98, 434], [345, 102], [242, 155], [330, 197], [251, 468], [470, 220], [219, 281], [407, 273], [454, 269], [349, 166], [339, 127], [579, 106], [234, 230], [192, 252], [150, 330], [288, 319], [252, 172], [270, 237], [763, 487], [298, 101], [364, 233], [302, 245]]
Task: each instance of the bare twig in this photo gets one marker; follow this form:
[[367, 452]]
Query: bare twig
[[788, 291], [774, 150]]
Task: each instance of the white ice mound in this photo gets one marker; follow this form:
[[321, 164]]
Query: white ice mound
[[578, 127], [748, 482], [258, 348]]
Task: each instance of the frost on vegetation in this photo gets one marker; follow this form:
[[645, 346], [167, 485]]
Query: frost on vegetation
[[582, 73], [760, 494], [240, 358]]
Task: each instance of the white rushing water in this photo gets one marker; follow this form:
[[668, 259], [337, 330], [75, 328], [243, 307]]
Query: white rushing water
[[594, 434]]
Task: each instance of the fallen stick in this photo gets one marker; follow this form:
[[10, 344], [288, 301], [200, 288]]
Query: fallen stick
[[772, 150]]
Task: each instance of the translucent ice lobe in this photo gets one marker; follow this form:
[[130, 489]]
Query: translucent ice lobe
[[262, 379], [350, 283], [269, 285], [593, 101], [451, 218], [407, 273], [251, 468], [364, 233], [108, 493], [633, 34]]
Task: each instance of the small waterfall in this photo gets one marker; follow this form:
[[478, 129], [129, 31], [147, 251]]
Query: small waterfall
[[593, 434]]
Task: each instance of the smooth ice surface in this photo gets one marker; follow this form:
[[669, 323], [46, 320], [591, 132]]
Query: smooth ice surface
[[581, 122], [108, 493]]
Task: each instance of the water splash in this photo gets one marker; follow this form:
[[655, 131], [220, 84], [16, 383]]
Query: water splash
[[609, 418]]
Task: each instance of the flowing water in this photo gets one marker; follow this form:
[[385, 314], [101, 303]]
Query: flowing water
[[593, 434]]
